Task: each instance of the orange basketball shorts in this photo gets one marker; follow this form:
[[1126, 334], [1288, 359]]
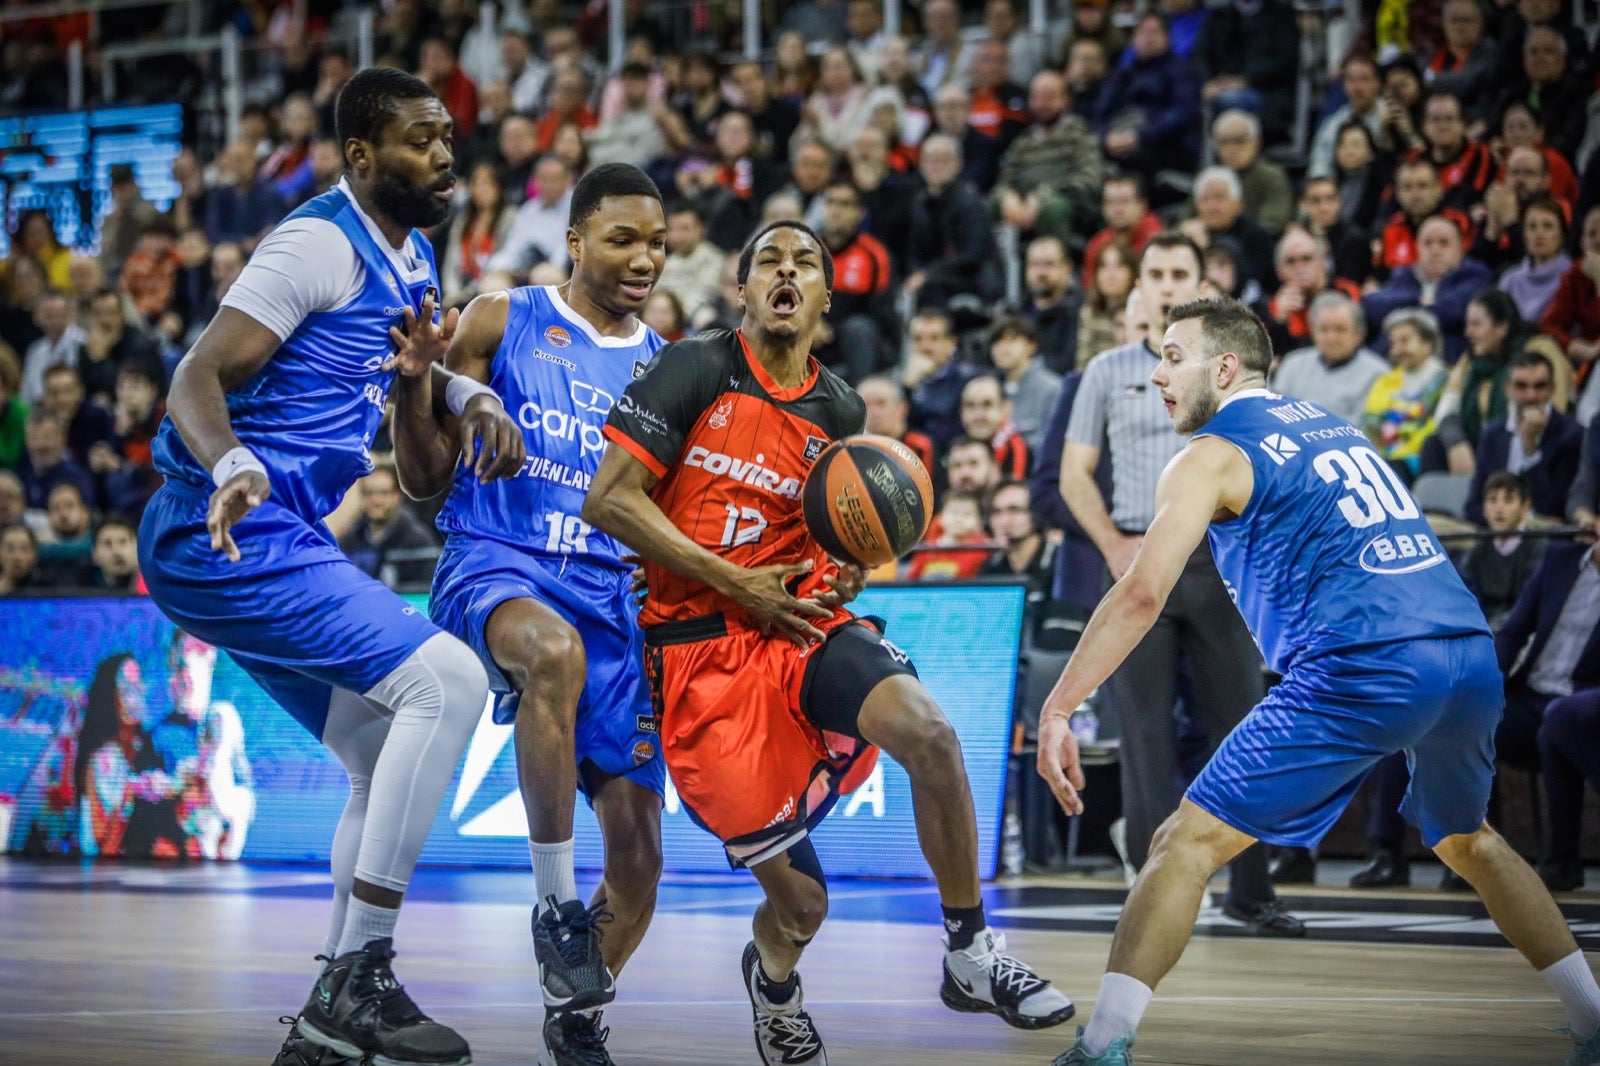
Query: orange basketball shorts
[[754, 759]]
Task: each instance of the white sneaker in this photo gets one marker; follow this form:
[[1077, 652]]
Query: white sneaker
[[785, 1033], [982, 979]]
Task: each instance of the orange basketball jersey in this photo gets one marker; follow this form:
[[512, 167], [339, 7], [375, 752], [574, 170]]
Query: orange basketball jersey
[[732, 450]]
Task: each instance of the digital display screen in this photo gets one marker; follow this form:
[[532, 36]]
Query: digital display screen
[[61, 163], [189, 757]]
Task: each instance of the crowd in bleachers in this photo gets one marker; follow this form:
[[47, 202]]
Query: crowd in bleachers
[[1428, 264]]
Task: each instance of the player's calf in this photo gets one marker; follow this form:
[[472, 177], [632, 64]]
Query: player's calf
[[628, 890]]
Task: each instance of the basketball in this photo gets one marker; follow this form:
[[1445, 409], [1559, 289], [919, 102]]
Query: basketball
[[868, 499]]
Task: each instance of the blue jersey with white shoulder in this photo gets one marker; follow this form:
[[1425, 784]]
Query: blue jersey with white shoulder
[[558, 377], [1332, 552], [310, 413]]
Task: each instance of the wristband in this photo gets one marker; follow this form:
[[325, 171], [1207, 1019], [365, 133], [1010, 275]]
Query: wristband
[[461, 390], [234, 461]]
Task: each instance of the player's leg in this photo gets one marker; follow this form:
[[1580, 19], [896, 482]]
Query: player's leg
[[433, 699], [1155, 926], [630, 825], [796, 904], [294, 602], [1284, 775], [1452, 767], [409, 729], [356, 730], [862, 685], [512, 609], [542, 657]]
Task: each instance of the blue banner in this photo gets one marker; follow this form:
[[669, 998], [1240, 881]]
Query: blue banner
[[119, 735]]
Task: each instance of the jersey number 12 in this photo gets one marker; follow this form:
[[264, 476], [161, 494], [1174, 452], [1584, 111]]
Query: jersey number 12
[[1374, 488]]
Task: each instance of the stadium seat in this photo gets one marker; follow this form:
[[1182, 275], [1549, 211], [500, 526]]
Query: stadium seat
[[1441, 493]]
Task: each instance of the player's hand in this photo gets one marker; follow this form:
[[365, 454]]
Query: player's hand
[[843, 587], [422, 343], [762, 593], [240, 495], [491, 443], [1058, 760], [638, 585]]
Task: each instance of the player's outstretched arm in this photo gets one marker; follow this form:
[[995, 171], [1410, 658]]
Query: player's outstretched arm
[[233, 348], [1204, 480], [428, 437], [619, 503]]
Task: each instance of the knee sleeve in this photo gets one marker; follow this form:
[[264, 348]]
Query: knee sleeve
[[436, 697]]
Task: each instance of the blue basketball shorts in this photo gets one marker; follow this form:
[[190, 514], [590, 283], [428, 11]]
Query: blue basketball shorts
[[293, 612], [1286, 773], [616, 729]]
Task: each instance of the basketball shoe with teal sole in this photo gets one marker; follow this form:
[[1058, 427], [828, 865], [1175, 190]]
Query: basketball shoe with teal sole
[[1118, 1054]]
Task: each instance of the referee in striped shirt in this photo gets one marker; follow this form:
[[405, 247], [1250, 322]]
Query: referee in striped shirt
[[1200, 637]]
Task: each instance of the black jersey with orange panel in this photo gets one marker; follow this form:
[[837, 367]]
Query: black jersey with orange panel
[[732, 450]]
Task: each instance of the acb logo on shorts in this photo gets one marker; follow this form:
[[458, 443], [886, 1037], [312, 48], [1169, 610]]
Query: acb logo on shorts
[[643, 752], [557, 336]]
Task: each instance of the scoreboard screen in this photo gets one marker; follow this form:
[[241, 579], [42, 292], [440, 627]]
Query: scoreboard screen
[[61, 162]]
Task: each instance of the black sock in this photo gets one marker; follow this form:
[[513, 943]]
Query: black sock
[[776, 992], [963, 924]]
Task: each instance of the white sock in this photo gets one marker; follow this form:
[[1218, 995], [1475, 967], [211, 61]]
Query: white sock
[[1580, 997], [364, 922], [1122, 1002], [552, 872]]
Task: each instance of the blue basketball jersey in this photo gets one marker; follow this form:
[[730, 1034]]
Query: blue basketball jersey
[[310, 413], [558, 378], [1332, 552]]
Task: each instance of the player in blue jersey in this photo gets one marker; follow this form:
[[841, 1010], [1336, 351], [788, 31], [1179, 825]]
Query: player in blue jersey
[[1380, 645], [546, 600], [270, 419]]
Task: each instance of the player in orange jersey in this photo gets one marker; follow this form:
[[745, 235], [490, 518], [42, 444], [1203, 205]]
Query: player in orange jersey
[[772, 698]]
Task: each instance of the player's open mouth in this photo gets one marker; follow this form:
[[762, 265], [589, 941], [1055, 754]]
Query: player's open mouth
[[447, 191], [637, 288], [784, 300]]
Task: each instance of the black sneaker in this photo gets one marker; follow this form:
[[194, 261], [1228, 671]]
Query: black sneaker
[[359, 1010], [785, 1033], [298, 1051], [574, 1038], [566, 941], [1265, 919]]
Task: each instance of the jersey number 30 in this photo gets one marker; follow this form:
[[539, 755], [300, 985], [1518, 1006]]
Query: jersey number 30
[[1375, 490]]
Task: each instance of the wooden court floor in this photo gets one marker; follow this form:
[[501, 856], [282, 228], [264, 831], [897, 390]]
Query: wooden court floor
[[133, 965]]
